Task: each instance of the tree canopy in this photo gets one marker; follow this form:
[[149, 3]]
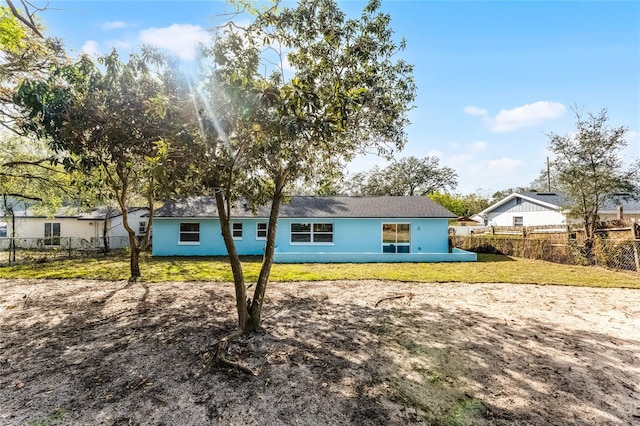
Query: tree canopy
[[589, 167], [100, 119], [407, 176], [290, 97]]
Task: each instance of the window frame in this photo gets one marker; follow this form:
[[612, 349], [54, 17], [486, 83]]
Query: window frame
[[51, 239], [515, 221], [258, 230], [142, 227], [237, 233], [182, 232], [396, 243], [312, 233]]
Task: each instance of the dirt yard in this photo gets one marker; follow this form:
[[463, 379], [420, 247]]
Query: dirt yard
[[331, 353]]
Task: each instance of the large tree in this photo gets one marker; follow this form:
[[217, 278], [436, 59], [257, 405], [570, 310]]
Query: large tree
[[407, 176], [27, 176], [290, 97], [589, 167], [22, 56], [100, 119], [460, 205]]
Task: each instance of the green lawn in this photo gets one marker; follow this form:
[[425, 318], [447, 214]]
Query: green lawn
[[489, 268]]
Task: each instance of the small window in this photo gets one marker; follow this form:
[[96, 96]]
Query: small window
[[142, 228], [3, 230], [236, 231], [261, 231], [518, 221], [190, 233], [52, 234], [518, 201]]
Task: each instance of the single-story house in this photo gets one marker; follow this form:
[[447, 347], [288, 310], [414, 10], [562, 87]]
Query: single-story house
[[313, 229], [69, 225], [548, 208]]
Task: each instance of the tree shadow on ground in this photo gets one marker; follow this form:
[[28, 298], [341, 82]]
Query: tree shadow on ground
[[137, 358], [492, 258]]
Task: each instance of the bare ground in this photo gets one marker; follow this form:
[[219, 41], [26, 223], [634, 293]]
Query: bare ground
[[347, 353]]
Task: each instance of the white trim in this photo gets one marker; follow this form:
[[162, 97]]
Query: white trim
[[409, 244], [312, 233], [233, 224], [524, 197], [266, 229], [180, 232]]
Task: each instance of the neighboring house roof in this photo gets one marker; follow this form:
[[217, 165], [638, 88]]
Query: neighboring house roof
[[312, 207], [76, 213], [100, 212], [559, 201]]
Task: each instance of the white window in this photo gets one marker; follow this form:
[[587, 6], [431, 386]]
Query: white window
[[236, 230], [396, 237], [518, 221], [52, 234], [189, 233], [261, 231], [311, 233], [142, 227]]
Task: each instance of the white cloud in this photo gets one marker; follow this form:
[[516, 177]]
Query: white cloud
[[528, 115], [432, 153], [479, 146], [503, 166], [179, 39], [113, 25], [459, 161], [90, 48], [474, 110]]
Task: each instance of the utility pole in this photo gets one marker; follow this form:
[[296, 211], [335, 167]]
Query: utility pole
[[548, 175]]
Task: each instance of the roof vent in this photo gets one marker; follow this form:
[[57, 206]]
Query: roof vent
[[546, 193]]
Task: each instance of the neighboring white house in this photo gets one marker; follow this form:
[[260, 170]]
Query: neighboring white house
[[82, 229], [547, 208]]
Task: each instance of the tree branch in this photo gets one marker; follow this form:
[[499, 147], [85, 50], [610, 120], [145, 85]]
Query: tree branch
[[30, 22]]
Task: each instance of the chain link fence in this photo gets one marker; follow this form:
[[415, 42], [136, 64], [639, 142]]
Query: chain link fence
[[622, 255], [40, 249]]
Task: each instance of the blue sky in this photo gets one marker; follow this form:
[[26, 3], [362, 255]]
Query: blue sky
[[494, 78]]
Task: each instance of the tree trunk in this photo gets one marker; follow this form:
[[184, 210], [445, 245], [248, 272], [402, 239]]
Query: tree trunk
[[236, 267], [255, 311], [12, 241], [105, 230], [135, 258]]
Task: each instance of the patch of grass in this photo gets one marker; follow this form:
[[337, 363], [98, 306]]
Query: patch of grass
[[490, 268], [56, 417], [467, 412]]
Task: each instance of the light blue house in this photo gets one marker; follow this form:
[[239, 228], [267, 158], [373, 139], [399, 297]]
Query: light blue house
[[314, 229]]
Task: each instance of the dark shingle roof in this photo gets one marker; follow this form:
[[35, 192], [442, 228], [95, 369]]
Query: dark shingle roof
[[312, 207], [556, 198]]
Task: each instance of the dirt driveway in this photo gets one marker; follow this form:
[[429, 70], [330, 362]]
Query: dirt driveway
[[358, 352]]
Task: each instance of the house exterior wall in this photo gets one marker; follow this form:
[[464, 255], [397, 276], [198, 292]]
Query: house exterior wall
[[536, 218], [135, 217], [166, 238], [519, 205], [349, 236], [365, 235], [33, 227]]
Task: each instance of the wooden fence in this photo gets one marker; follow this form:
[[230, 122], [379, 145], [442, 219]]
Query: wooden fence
[[617, 244]]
